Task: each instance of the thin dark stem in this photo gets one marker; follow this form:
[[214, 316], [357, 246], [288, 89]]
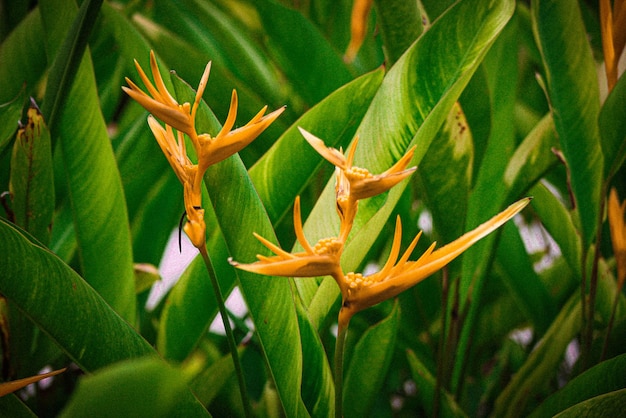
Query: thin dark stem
[[609, 328], [338, 368], [229, 332], [593, 288], [442, 352]]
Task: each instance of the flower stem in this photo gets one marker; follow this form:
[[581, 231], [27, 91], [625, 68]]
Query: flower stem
[[338, 367], [229, 332]]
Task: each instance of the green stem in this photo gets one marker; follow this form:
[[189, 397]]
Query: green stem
[[229, 332], [338, 368]]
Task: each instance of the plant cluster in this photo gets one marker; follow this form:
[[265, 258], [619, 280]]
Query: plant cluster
[[464, 108]]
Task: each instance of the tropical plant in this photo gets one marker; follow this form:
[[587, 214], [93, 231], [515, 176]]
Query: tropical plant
[[461, 110]]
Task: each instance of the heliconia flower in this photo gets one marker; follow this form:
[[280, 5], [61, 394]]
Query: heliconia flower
[[160, 102], [395, 277], [617, 226], [363, 184], [212, 150], [209, 150], [356, 183], [320, 260]]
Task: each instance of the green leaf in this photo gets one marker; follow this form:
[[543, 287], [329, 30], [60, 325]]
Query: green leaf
[[426, 383], [32, 179], [408, 109], [558, 222], [62, 304], [145, 387], [68, 309], [369, 364], [574, 98], [10, 114], [318, 389], [20, 70], [67, 55], [606, 377], [607, 405], [446, 186], [490, 194], [612, 122], [98, 204], [525, 286], [12, 406], [308, 61]]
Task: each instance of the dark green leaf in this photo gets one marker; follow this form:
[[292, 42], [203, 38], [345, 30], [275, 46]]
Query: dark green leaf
[[612, 123], [98, 204], [145, 387], [606, 377], [574, 97], [369, 364], [312, 66], [32, 179], [10, 114], [608, 405]]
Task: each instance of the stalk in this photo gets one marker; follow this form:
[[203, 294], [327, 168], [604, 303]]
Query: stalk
[[338, 367], [229, 332]]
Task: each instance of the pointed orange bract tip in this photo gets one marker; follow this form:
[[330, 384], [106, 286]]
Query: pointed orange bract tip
[[617, 227]]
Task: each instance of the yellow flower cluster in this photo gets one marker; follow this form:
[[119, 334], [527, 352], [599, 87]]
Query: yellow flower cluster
[[359, 292], [180, 119]]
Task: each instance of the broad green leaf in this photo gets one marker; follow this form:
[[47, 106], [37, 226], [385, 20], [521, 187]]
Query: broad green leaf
[[19, 69], [207, 384], [445, 175], [574, 98], [10, 113], [558, 222], [269, 299], [531, 159], [369, 365], [400, 23], [67, 54], [606, 377], [308, 61], [283, 172], [612, 122], [98, 204], [525, 286], [67, 308], [426, 383], [145, 387], [228, 45], [12, 406], [408, 109], [63, 305], [490, 194], [608, 405], [318, 389], [32, 179]]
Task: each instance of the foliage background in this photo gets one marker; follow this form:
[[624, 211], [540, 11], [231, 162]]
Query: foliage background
[[503, 100]]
